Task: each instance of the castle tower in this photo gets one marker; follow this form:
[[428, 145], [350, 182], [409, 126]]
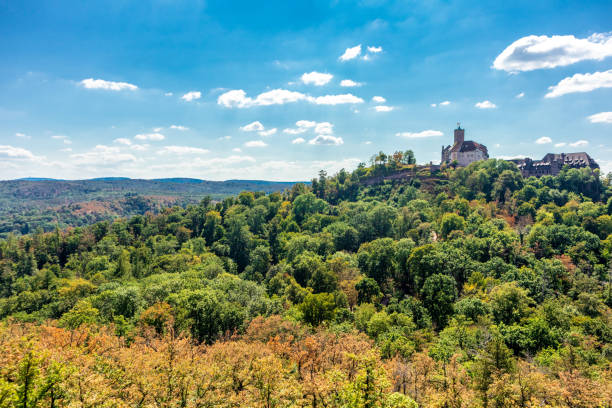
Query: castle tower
[[459, 134]]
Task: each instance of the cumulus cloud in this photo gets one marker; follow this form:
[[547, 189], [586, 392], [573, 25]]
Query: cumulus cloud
[[102, 155], [560, 144], [150, 136], [485, 105], [256, 143], [238, 99], [383, 108], [351, 53], [22, 135], [324, 128], [349, 83], [268, 132], [182, 150], [316, 78], [302, 126], [179, 127], [12, 152], [337, 99], [420, 135], [378, 99], [374, 50], [579, 143], [520, 95], [537, 52], [601, 117], [544, 140], [236, 149], [581, 83], [326, 140], [252, 127], [91, 83], [192, 95], [123, 141], [298, 140]]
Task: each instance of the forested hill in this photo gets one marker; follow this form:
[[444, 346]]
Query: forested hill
[[32, 203], [466, 287]]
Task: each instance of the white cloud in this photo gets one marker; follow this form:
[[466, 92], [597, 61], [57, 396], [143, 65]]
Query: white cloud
[[579, 143], [91, 83], [537, 52], [252, 127], [326, 140], [16, 153], [236, 149], [383, 108], [351, 53], [324, 128], [123, 141], [66, 150], [298, 140], [445, 103], [168, 94], [269, 132], [255, 143], [22, 135], [349, 83], [224, 138], [485, 105], [374, 50], [192, 95], [102, 155], [63, 138], [420, 135], [238, 99], [581, 83], [150, 136], [337, 99], [316, 78], [520, 95], [139, 147], [433, 105], [544, 140], [601, 117], [378, 99], [179, 127], [560, 144], [157, 129], [302, 126], [181, 150]]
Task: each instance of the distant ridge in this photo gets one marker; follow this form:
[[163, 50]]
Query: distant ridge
[[161, 180]]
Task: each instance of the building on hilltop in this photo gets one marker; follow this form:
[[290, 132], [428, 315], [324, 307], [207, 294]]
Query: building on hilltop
[[552, 164], [463, 152]]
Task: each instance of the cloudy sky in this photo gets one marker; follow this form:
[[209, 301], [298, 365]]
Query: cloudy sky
[[280, 89]]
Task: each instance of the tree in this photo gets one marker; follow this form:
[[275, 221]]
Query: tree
[[438, 294], [451, 222], [317, 308]]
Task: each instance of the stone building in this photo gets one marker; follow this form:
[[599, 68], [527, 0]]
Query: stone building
[[463, 152], [552, 164]]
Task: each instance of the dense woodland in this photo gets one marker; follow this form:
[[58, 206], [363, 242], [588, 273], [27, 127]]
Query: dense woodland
[[465, 287], [30, 204]]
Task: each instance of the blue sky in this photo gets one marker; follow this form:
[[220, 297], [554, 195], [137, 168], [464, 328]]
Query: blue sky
[[278, 90]]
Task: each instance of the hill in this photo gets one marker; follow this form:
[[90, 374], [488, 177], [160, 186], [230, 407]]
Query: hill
[[28, 204], [395, 286]]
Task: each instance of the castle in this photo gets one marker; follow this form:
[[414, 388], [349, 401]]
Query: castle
[[463, 152], [552, 164]]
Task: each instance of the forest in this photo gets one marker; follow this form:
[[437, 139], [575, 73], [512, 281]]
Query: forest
[[451, 287], [27, 205]]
